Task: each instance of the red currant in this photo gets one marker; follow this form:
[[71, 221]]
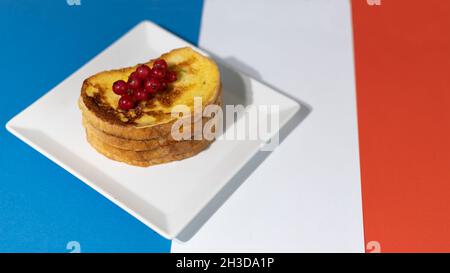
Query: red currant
[[120, 87], [160, 64], [171, 76], [163, 86], [140, 95], [134, 83], [126, 102], [152, 85], [158, 73], [133, 75], [143, 72]]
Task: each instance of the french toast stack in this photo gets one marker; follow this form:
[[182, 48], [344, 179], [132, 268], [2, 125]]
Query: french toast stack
[[142, 136]]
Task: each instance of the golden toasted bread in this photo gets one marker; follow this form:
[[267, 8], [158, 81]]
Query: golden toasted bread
[[198, 76], [133, 144], [128, 144], [147, 158], [141, 136]]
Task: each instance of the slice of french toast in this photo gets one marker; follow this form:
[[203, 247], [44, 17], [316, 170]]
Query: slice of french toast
[[166, 154], [138, 145], [197, 76]]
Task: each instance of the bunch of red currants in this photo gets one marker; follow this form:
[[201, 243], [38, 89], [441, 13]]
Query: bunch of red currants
[[142, 83]]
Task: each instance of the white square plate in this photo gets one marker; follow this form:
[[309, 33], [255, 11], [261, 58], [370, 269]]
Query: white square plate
[[164, 197]]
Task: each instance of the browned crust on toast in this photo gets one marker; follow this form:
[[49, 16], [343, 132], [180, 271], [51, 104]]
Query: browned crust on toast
[[148, 158], [132, 144], [99, 119], [128, 144]]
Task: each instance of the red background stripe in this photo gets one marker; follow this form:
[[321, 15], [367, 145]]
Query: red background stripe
[[402, 59]]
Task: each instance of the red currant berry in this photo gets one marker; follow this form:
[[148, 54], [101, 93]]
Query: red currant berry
[[133, 75], [140, 95], [120, 87], [163, 86], [126, 103], [158, 73], [143, 72], [152, 85], [160, 64], [171, 76], [134, 83]]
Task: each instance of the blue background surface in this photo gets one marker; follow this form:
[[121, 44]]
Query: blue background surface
[[43, 207]]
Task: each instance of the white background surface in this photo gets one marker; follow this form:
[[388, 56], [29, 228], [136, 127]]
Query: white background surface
[[306, 195]]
